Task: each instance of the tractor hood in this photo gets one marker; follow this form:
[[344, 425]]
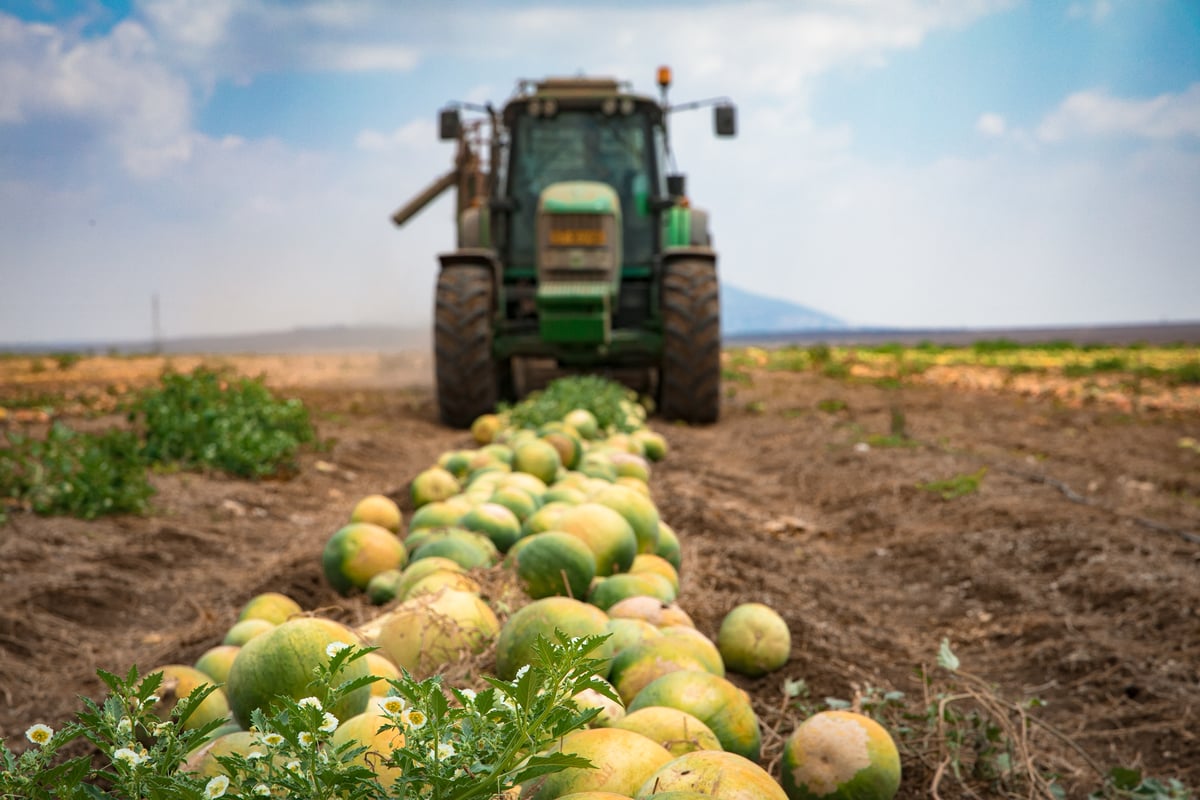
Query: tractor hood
[[579, 261], [580, 197]]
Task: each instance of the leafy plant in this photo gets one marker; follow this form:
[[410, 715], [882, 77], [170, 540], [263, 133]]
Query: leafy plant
[[458, 744], [82, 474], [211, 419], [615, 407], [138, 754]]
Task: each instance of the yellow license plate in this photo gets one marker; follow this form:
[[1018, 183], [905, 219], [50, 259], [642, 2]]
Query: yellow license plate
[[575, 237]]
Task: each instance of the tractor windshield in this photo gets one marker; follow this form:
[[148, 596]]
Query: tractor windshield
[[582, 145]]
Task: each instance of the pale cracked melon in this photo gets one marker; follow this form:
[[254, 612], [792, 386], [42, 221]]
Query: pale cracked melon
[[754, 640], [713, 773], [841, 755]]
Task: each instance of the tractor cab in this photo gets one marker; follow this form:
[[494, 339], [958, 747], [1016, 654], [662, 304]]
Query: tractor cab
[[575, 247]]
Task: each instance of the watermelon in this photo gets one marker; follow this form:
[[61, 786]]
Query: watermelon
[[555, 563], [281, 662], [842, 755]]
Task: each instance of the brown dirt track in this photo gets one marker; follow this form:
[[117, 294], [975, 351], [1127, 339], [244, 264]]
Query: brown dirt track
[[1065, 577]]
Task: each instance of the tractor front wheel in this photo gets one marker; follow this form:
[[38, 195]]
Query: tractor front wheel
[[467, 375], [689, 382]]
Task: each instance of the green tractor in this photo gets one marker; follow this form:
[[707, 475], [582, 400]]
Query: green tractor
[[577, 249]]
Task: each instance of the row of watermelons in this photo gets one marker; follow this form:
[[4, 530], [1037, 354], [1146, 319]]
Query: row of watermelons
[[568, 508]]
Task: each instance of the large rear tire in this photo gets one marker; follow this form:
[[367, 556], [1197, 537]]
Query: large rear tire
[[690, 376], [467, 375]]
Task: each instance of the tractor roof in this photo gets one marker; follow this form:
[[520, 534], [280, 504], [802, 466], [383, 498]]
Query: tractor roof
[[577, 88]]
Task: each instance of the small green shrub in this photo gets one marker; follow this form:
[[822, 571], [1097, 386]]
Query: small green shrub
[[82, 474], [819, 355], [212, 420], [836, 369], [615, 406], [459, 744], [67, 360], [1185, 374]]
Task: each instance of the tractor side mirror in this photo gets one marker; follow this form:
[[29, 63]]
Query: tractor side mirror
[[725, 119], [449, 124], [676, 185]]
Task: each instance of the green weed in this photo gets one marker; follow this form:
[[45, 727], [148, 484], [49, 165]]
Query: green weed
[[81, 474], [832, 405], [789, 359], [836, 369], [67, 360], [957, 486], [458, 744], [615, 406], [213, 420]]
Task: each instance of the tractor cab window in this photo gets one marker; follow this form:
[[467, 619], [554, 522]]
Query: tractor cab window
[[582, 145]]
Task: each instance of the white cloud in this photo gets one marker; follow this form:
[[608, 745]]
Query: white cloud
[[991, 125], [115, 83], [416, 135], [1096, 113], [1096, 11], [237, 41]]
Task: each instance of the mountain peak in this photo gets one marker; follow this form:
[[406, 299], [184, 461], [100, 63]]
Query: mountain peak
[[744, 312]]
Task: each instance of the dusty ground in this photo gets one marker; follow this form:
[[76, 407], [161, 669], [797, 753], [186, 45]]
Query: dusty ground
[[1068, 576]]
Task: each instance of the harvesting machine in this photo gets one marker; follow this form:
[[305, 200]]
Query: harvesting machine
[[576, 246]]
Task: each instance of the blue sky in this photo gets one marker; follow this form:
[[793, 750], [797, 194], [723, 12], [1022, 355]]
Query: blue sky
[[899, 162]]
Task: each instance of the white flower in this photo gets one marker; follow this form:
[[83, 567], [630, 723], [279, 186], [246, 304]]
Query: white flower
[[521, 673], [305, 738], [262, 790], [216, 787], [394, 705], [39, 734], [469, 694], [253, 754], [333, 648], [311, 702], [413, 718], [271, 740], [444, 751], [130, 757], [503, 700], [125, 726], [292, 766], [329, 723]]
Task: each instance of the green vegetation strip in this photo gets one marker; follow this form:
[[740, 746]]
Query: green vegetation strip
[[614, 406], [205, 420], [1172, 365]]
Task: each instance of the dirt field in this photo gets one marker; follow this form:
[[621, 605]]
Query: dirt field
[[1072, 575]]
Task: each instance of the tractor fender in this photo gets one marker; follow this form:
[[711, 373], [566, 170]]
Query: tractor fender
[[473, 256], [693, 252]]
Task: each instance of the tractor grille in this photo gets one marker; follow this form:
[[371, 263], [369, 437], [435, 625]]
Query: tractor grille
[[576, 230], [577, 247]]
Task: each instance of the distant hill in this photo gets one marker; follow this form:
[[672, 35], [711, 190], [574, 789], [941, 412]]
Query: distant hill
[[744, 312]]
